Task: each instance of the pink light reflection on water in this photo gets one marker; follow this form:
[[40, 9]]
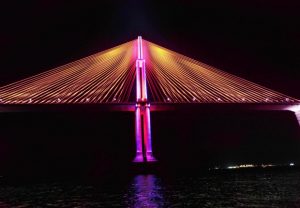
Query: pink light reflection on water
[[146, 192]]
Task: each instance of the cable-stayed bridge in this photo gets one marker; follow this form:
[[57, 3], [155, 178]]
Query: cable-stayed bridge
[[134, 75]]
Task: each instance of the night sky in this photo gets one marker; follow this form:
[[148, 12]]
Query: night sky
[[256, 40]]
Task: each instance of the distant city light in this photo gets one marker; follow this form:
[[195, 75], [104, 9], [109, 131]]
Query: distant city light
[[267, 165], [241, 166], [232, 167], [256, 166], [246, 166]]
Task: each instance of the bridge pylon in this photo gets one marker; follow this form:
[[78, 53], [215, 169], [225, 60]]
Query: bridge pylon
[[142, 111]]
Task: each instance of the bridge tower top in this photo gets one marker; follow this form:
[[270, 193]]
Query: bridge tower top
[[141, 86], [140, 48]]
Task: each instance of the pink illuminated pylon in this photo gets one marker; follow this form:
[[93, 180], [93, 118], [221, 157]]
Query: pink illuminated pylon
[[142, 111]]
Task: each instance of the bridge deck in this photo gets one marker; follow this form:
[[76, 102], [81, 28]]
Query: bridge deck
[[154, 107]]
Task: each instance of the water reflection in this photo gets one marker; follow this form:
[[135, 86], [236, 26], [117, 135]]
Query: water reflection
[[145, 191]]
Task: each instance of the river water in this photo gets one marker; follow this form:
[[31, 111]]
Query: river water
[[217, 188]]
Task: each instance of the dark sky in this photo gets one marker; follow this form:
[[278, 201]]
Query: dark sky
[[257, 40]]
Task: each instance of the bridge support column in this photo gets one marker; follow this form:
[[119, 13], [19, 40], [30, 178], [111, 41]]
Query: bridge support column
[[143, 134], [297, 113], [139, 157], [147, 134], [142, 111], [296, 110]]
